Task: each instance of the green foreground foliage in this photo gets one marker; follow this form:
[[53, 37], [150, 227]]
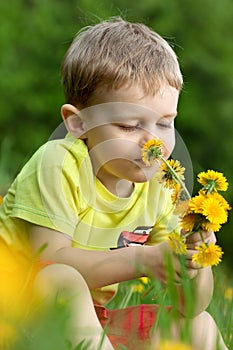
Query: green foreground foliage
[[49, 330], [35, 34]]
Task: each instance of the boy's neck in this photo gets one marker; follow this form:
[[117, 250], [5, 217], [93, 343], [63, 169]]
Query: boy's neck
[[120, 187]]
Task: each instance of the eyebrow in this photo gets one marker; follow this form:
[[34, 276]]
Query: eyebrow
[[170, 115]]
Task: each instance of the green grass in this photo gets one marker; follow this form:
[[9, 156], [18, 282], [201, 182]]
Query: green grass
[[49, 332], [221, 306]]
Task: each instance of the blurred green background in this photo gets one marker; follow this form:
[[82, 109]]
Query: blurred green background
[[34, 35]]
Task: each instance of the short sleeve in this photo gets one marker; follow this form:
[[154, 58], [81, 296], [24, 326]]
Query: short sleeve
[[43, 186]]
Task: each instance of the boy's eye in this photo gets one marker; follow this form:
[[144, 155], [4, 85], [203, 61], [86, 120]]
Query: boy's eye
[[127, 128], [165, 125]]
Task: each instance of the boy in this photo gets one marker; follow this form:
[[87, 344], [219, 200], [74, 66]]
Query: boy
[[79, 195]]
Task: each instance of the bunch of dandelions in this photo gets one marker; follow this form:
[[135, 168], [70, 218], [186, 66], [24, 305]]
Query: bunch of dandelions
[[206, 211]]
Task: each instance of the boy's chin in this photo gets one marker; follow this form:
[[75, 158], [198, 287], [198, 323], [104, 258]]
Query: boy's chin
[[143, 176]]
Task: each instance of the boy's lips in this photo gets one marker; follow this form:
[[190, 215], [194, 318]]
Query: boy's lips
[[140, 161]]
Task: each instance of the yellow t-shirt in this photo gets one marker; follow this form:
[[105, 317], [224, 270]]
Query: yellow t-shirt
[[57, 189]]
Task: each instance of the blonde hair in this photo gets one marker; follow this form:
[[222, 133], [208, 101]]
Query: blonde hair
[[114, 53]]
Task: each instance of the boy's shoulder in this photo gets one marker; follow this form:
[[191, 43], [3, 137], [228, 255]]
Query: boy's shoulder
[[56, 151], [60, 154]]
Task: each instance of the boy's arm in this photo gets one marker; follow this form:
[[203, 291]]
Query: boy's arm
[[99, 268], [202, 284], [104, 267]]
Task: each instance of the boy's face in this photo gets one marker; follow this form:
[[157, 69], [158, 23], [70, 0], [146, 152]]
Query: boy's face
[[120, 123]]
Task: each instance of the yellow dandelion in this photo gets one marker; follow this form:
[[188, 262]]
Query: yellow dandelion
[[166, 174], [209, 226], [17, 272], [213, 211], [151, 151], [173, 345], [208, 255], [189, 221], [213, 181], [138, 288], [196, 202], [8, 335], [177, 243], [1, 199], [175, 193], [221, 199], [228, 295], [145, 280], [181, 208]]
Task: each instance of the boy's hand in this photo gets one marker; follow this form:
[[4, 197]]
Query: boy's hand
[[156, 262], [195, 239], [155, 257]]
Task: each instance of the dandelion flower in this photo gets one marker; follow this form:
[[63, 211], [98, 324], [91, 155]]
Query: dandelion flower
[[177, 243], [213, 181], [213, 211], [228, 295], [208, 255], [188, 222], [151, 151], [196, 202], [8, 335], [181, 207], [166, 173], [209, 226], [138, 288], [173, 345], [145, 280], [221, 199]]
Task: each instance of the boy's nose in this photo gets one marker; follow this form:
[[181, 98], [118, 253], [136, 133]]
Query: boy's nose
[[147, 135]]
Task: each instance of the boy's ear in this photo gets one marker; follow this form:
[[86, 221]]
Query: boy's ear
[[73, 121]]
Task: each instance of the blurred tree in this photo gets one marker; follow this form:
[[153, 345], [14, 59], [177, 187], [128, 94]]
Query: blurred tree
[[35, 34]]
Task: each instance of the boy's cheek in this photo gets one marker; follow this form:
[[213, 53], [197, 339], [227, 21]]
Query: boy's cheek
[[115, 149]]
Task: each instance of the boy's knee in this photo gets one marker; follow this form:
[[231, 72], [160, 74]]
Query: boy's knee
[[59, 277], [204, 319]]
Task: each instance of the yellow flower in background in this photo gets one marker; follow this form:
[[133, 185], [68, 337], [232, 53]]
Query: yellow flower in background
[[208, 254], [228, 294], [213, 181], [173, 345], [17, 271], [177, 243], [145, 280], [138, 288], [8, 335], [151, 151], [1, 199]]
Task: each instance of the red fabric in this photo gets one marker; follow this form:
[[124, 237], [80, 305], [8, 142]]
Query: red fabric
[[130, 327]]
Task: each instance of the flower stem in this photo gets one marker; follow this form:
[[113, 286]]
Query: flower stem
[[177, 178]]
